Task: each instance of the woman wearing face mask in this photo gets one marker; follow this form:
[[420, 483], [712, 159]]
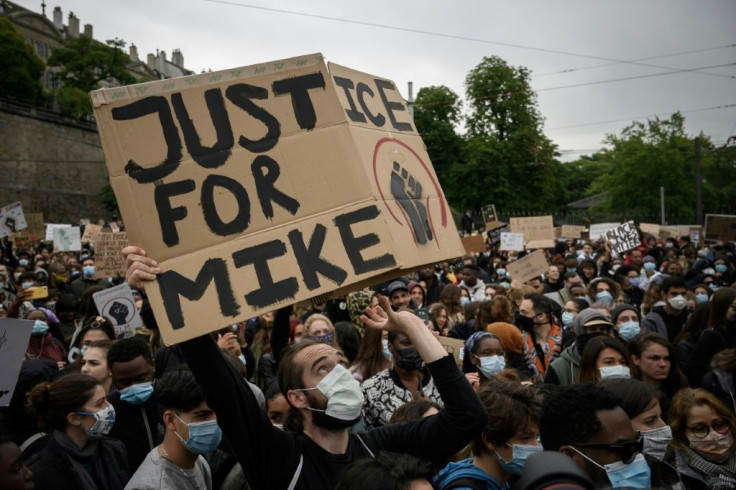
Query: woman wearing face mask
[[42, 345], [507, 440], [653, 361], [484, 357], [720, 335], [605, 291], [405, 381], [603, 357], [97, 328], [724, 270], [571, 310], [76, 414], [318, 327], [373, 356], [703, 439], [641, 404]]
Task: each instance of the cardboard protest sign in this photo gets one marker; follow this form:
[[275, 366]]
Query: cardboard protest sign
[[51, 227], [650, 229], [695, 234], [571, 231], [538, 231], [474, 244], [89, 233], [668, 232], [490, 217], [512, 241], [599, 230], [495, 235], [266, 185], [117, 304], [720, 227], [109, 260], [456, 347], [12, 219], [35, 225], [67, 239], [528, 267], [624, 237], [14, 335]]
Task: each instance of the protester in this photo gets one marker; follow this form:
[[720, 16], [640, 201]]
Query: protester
[[373, 356], [450, 297], [415, 410], [320, 329], [604, 357], [668, 320], [543, 337], [42, 345], [74, 411], [94, 363], [14, 474], [387, 471], [653, 361], [721, 380], [79, 286], [687, 339], [417, 294], [438, 316], [484, 357], [571, 310], [625, 320]]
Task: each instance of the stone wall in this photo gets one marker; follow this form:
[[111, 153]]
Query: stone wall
[[51, 164]]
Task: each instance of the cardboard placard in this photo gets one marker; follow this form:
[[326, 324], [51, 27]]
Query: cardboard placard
[[668, 232], [51, 227], [720, 227], [599, 230], [89, 233], [624, 237], [117, 304], [571, 231], [534, 227], [474, 244], [35, 225], [528, 267], [109, 260], [67, 239], [456, 347], [267, 185], [490, 217], [14, 335], [512, 241], [650, 229], [12, 219]]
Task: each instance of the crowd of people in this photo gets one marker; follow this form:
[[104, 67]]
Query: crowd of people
[[607, 371]]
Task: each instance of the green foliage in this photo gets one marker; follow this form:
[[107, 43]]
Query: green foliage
[[84, 63], [73, 102], [574, 179], [108, 199], [20, 67]]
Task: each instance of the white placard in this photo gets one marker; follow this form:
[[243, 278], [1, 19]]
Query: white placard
[[14, 336], [623, 238], [50, 227], [68, 239], [117, 304], [12, 219], [599, 230], [512, 241]]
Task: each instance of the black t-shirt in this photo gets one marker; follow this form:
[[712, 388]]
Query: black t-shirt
[[674, 324]]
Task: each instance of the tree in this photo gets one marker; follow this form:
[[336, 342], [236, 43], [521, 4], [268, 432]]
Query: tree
[[508, 160], [574, 179], [437, 110], [21, 68]]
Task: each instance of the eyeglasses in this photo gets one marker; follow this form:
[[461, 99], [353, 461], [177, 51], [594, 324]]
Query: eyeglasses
[[627, 450], [702, 430]]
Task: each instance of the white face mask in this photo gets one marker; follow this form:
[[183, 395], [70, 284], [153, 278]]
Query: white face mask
[[655, 442], [614, 372], [343, 393], [678, 302]]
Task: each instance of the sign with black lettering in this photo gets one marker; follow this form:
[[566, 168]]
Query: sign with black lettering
[[624, 237], [12, 219], [118, 305], [266, 185]]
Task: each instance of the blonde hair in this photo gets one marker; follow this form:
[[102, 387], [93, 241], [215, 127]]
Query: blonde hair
[[316, 317]]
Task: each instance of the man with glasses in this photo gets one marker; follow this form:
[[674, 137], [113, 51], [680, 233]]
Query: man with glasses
[[587, 423]]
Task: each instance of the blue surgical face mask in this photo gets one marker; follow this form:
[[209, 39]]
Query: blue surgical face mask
[[137, 394], [721, 268], [621, 475], [713, 287], [204, 437], [501, 272], [464, 300], [384, 350], [23, 262], [567, 318], [88, 270], [701, 297], [490, 366], [571, 269], [650, 266], [629, 330], [635, 281], [518, 458], [26, 285], [40, 327], [604, 297]]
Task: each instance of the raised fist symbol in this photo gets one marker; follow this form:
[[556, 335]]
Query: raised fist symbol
[[119, 311]]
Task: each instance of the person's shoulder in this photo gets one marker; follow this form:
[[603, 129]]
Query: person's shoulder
[[377, 378]]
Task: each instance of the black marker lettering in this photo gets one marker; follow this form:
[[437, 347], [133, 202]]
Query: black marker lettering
[[241, 221], [298, 88], [265, 186], [382, 86], [217, 154], [309, 260], [354, 245], [347, 85], [378, 120], [269, 292], [172, 285], [240, 95], [168, 216], [140, 108]]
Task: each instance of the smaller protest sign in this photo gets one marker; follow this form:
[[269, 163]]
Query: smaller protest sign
[[668, 232], [117, 304], [14, 335], [695, 234], [495, 235], [67, 239], [35, 225], [12, 219], [599, 230], [455, 347], [571, 231], [50, 227], [89, 232], [490, 217], [720, 227], [512, 241], [474, 244], [650, 229], [109, 260], [624, 237], [528, 267]]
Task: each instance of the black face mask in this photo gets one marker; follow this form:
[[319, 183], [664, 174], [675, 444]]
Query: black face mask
[[525, 323], [582, 340], [409, 359]]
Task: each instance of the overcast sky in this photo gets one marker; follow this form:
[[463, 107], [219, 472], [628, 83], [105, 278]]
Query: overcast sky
[[563, 42]]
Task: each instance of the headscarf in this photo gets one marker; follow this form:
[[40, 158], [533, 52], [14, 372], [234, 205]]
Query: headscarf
[[474, 339]]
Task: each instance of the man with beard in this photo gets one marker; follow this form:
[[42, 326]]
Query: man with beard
[[587, 423], [324, 401]]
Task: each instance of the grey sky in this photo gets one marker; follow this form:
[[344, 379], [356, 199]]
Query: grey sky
[[218, 35]]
